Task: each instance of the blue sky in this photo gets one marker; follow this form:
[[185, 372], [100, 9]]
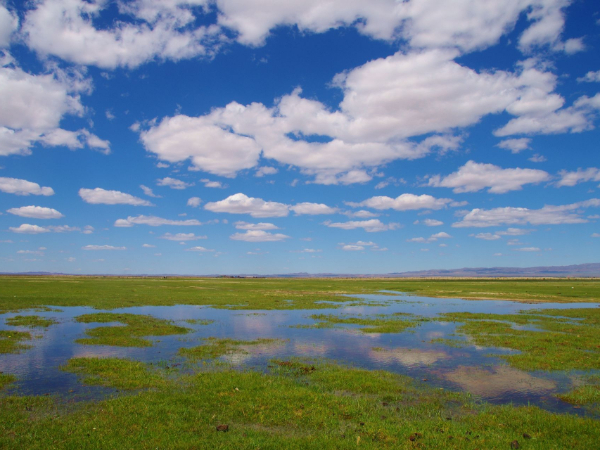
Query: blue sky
[[260, 136]]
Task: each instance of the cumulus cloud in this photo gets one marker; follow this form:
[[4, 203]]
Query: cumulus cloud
[[258, 236], [173, 183], [8, 25], [590, 77], [473, 177], [199, 249], [213, 184], [99, 196], [432, 238], [352, 247], [404, 202], [527, 249], [194, 202], [161, 30], [370, 226], [265, 170], [33, 106], [148, 246], [312, 209], [23, 187], [360, 214], [29, 229], [515, 145], [154, 221], [432, 222], [102, 247], [579, 176], [149, 192], [242, 204], [548, 215], [36, 212], [181, 237], [486, 236], [255, 226]]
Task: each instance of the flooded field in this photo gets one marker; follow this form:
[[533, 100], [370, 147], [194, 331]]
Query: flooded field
[[421, 351], [107, 363]]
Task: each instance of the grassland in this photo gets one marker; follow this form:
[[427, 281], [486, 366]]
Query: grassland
[[12, 341], [297, 405], [214, 347], [20, 293], [388, 323], [30, 321]]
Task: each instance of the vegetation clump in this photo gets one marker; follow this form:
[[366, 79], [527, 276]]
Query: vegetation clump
[[130, 335], [6, 379], [561, 339], [215, 347], [30, 321], [381, 323], [587, 394], [11, 341]]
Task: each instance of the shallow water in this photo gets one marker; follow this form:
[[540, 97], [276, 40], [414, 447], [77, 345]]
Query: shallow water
[[410, 353]]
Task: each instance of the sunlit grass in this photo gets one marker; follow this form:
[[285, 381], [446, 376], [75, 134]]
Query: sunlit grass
[[11, 341], [131, 335], [30, 321], [214, 347]]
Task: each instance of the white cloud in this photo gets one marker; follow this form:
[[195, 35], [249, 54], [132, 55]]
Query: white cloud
[[255, 226], [23, 187], [258, 236], [30, 252], [8, 24], [36, 212], [404, 202], [473, 177], [527, 249], [440, 235], [596, 235], [432, 222], [242, 204], [99, 196], [312, 209], [370, 226], [194, 202], [579, 176], [265, 170], [432, 238], [515, 145], [590, 77], [154, 221], [199, 249], [148, 246], [29, 229], [513, 232], [548, 215], [181, 237], [352, 247], [486, 236], [213, 184], [162, 30], [149, 192], [173, 183], [360, 214], [537, 158], [102, 247], [88, 229]]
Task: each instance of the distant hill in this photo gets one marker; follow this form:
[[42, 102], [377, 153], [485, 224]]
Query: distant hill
[[577, 270]]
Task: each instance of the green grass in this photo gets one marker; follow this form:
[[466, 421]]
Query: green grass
[[30, 321], [381, 323], [19, 293], [324, 407], [586, 394], [11, 341], [6, 379], [214, 347], [130, 335], [199, 321], [564, 340], [115, 372]]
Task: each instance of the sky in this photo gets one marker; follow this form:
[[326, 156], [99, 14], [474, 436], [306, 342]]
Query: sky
[[324, 136]]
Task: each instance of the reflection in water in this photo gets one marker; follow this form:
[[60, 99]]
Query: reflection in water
[[411, 353], [498, 381], [408, 356]]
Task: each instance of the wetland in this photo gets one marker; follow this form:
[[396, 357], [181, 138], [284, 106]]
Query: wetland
[[90, 362]]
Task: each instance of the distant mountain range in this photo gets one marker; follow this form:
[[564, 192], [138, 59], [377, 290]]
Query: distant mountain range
[[578, 270]]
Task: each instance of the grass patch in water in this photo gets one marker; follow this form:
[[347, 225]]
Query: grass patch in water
[[11, 341], [30, 321], [381, 323], [6, 379], [115, 372], [328, 407], [199, 321], [130, 335], [586, 395], [563, 340], [215, 347]]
